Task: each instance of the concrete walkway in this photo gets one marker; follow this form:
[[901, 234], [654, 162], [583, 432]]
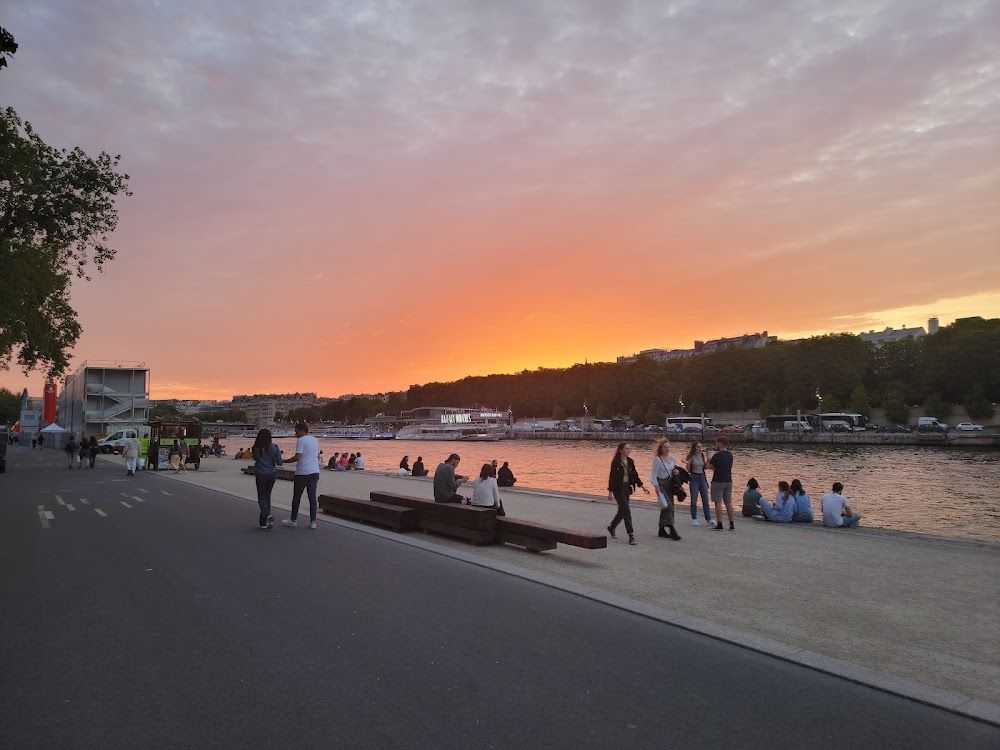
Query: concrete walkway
[[921, 608]]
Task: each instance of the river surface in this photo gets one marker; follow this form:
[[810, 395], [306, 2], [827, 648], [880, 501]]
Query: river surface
[[941, 491]]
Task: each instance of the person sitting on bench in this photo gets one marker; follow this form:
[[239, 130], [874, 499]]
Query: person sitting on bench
[[446, 481], [484, 490]]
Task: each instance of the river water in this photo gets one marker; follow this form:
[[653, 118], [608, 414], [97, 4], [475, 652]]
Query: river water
[[941, 491]]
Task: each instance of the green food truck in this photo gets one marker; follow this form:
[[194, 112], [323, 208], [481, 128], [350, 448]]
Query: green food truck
[[163, 433]]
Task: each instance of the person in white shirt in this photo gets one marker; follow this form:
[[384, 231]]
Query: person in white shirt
[[131, 451], [662, 478], [837, 511], [306, 474], [359, 462], [485, 491]]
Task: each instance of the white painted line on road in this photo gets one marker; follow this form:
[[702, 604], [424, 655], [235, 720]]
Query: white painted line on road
[[142, 490], [60, 500], [69, 506], [164, 492], [124, 494], [85, 501], [138, 499], [41, 517], [50, 515], [100, 512], [126, 504]]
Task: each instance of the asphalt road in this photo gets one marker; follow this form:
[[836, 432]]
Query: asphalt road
[[172, 621]]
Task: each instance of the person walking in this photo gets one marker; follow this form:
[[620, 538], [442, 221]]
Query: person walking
[[306, 478], [662, 478], [175, 456], [70, 449], [695, 464], [183, 452], [721, 464], [84, 452], [267, 459], [622, 481], [94, 450], [131, 453]]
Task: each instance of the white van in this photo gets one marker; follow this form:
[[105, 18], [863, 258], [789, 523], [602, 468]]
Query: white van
[[930, 424], [800, 426], [115, 442]]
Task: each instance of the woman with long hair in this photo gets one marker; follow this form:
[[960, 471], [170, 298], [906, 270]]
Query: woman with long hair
[[84, 452], [267, 459], [662, 478], [803, 512], [695, 463], [622, 481], [485, 491]]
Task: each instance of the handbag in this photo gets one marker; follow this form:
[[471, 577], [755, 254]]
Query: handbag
[[500, 510]]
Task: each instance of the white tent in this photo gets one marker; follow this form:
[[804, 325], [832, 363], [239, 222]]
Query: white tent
[[54, 428]]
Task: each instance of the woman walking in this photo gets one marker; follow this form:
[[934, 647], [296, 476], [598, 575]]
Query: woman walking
[[622, 481], [267, 459], [84, 452], [663, 477], [696, 468], [184, 452], [175, 456]]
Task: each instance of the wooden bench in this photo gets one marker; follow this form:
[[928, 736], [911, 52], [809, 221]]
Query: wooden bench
[[539, 537], [288, 474], [468, 522], [382, 514]]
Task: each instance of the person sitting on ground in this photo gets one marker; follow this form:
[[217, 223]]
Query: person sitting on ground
[[484, 489], [781, 510], [332, 463], [803, 503], [342, 464], [837, 511], [751, 499], [505, 477], [446, 481], [418, 467], [405, 464], [359, 462], [351, 460]]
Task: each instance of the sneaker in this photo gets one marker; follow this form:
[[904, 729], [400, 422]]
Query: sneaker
[[663, 533], [270, 522], [732, 526], [694, 521], [718, 527], [612, 532], [287, 522], [631, 540], [262, 528], [312, 524]]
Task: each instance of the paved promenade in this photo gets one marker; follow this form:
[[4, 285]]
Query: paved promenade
[[921, 608]]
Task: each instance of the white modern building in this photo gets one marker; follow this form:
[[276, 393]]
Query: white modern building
[[878, 338], [102, 396]]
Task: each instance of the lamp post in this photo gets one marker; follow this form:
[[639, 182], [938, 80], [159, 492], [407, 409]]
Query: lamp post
[[819, 409]]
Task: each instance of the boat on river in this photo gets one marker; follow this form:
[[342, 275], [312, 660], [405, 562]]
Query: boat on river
[[445, 423]]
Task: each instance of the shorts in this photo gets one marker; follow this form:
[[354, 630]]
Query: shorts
[[722, 491]]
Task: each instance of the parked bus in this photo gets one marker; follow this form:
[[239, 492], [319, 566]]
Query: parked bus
[[690, 424], [832, 420]]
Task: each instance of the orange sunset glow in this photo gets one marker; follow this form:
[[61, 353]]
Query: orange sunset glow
[[353, 198]]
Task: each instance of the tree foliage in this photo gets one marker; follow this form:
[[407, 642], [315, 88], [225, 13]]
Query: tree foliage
[[977, 406], [896, 409], [934, 406], [10, 406], [860, 403], [57, 209], [7, 46]]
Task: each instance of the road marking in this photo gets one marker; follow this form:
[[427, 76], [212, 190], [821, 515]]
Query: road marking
[[124, 494], [69, 506], [138, 499], [85, 501], [50, 515], [100, 512], [60, 500], [41, 517], [142, 490], [164, 492], [126, 504]]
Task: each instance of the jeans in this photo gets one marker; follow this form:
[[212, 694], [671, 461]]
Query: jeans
[[624, 512], [699, 484], [307, 482], [849, 522], [265, 483]]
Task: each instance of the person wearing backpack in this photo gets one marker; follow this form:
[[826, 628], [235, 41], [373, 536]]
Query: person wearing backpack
[[70, 449]]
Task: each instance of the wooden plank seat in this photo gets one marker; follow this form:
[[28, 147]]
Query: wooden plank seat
[[539, 537], [468, 522], [288, 474], [382, 514]]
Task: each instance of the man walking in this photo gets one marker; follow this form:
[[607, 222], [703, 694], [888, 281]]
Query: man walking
[[131, 451], [446, 481], [306, 459]]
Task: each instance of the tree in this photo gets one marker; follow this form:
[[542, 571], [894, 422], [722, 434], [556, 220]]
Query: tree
[[655, 416], [696, 409], [935, 406], [860, 403], [769, 406], [977, 405], [558, 413], [7, 46], [831, 404], [602, 412], [636, 413], [57, 208], [10, 406], [896, 409], [163, 410]]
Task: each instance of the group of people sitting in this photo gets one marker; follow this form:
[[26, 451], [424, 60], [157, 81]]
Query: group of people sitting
[[504, 476], [792, 504], [345, 462], [485, 488]]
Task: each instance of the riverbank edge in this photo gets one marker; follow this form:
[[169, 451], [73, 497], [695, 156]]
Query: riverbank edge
[[948, 700]]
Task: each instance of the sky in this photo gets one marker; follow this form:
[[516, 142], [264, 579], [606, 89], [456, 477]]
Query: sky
[[352, 197]]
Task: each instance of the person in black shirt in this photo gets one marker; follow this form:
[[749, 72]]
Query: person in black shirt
[[405, 463], [721, 464], [622, 481], [505, 477], [418, 467]]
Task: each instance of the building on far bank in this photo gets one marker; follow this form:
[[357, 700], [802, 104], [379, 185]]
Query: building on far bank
[[261, 408], [747, 340], [878, 338], [102, 396]]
